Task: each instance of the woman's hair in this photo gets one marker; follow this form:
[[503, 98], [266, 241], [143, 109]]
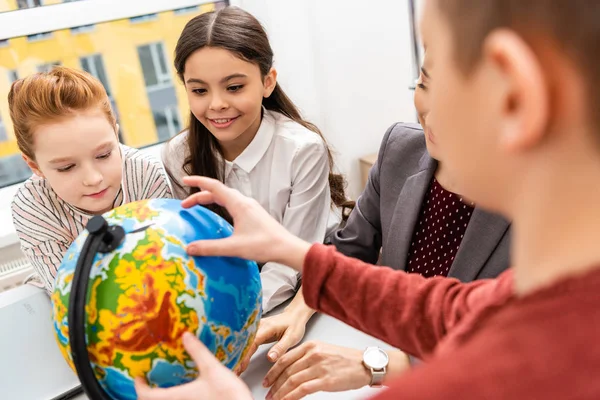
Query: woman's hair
[[239, 32], [51, 96]]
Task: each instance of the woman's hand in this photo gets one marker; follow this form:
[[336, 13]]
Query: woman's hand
[[313, 367], [318, 366], [215, 381], [256, 236]]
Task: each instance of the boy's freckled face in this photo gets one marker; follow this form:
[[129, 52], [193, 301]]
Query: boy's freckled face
[[81, 159]]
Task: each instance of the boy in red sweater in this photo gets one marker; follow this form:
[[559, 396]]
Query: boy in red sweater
[[515, 95]]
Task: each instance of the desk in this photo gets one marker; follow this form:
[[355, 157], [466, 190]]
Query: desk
[[323, 328]]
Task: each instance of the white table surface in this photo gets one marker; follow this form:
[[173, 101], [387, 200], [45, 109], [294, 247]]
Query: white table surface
[[323, 328]]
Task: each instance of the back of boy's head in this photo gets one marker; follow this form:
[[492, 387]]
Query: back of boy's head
[[573, 26], [49, 97]]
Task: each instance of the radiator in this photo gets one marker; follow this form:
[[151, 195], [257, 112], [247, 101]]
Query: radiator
[[14, 272]]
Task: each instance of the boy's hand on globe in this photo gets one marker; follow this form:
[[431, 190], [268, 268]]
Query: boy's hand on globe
[[214, 382], [256, 235]]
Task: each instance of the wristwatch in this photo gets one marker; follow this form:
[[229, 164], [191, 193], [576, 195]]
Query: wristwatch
[[376, 360]]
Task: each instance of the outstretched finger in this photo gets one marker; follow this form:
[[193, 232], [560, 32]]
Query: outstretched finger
[[145, 392], [201, 355], [227, 247], [203, 198], [221, 193]]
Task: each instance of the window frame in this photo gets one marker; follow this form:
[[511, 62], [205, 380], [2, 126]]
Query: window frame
[[90, 58], [82, 29], [38, 37], [31, 4], [186, 10], [141, 19], [163, 79], [4, 133]]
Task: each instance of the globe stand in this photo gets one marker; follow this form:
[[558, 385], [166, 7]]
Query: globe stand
[[104, 239]]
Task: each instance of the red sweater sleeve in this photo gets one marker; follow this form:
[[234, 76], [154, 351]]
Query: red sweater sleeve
[[405, 310]]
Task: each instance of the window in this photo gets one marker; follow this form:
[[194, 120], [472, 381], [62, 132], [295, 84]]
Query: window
[[167, 121], [83, 29], [95, 66], [4, 43], [160, 90], [39, 36], [186, 10], [3, 135], [13, 169], [13, 75], [143, 18], [47, 67], [28, 3], [154, 65]]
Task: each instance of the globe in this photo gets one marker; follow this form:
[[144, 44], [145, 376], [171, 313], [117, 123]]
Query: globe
[[147, 292]]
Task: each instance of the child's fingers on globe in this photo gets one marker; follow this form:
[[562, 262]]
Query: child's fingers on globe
[[140, 386], [145, 392], [228, 247], [209, 184], [203, 357], [204, 197], [198, 181], [214, 192]]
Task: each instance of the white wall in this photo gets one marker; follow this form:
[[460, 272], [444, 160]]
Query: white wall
[[347, 64]]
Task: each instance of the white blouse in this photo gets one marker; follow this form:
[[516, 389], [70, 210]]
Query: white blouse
[[286, 169]]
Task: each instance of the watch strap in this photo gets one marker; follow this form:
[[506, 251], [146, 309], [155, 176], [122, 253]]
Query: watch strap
[[377, 377]]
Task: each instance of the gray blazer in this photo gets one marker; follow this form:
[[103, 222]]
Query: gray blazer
[[389, 207]]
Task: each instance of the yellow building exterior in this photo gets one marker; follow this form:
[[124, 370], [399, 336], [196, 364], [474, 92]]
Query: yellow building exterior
[[118, 43]]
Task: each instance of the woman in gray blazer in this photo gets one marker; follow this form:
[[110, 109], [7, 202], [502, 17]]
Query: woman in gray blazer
[[409, 217]]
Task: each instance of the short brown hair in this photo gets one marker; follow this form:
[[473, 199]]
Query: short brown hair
[[572, 24], [51, 96]]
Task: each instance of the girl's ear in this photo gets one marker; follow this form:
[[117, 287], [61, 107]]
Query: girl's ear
[[270, 82], [33, 166]]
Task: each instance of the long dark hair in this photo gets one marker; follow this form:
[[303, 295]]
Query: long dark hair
[[239, 32]]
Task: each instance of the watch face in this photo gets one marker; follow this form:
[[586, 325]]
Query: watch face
[[375, 358]]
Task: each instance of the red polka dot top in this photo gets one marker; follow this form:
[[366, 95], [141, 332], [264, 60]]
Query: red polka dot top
[[442, 223]]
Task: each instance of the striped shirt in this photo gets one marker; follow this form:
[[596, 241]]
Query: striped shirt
[[47, 225]]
